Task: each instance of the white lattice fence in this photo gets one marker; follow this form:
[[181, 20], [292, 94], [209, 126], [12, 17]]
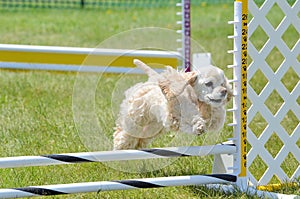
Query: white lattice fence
[[273, 91]]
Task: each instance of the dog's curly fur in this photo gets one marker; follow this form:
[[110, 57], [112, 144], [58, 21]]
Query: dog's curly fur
[[191, 102]]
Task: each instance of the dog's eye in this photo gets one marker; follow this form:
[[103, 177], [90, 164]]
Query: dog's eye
[[208, 84]]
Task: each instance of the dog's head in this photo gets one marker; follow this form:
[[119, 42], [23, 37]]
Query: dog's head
[[211, 85]]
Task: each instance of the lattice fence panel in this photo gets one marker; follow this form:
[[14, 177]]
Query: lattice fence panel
[[273, 91]]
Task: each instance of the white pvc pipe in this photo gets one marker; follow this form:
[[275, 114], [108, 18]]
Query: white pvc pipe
[[87, 51], [237, 36]]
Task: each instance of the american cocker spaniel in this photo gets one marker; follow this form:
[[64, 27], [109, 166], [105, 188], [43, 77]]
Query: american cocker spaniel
[[192, 102]]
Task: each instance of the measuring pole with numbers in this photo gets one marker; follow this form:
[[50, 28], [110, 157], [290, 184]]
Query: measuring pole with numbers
[[243, 92], [240, 86]]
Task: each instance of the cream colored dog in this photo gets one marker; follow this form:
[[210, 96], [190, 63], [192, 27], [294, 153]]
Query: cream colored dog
[[191, 102]]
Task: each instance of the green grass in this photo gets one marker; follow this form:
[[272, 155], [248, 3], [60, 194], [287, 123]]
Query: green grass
[[37, 106]]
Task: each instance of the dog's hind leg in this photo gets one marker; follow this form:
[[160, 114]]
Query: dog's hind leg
[[143, 143]]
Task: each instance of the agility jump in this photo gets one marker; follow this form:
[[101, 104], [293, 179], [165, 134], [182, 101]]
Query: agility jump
[[235, 175]]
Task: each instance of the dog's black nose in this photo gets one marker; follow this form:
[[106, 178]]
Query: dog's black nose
[[223, 92]]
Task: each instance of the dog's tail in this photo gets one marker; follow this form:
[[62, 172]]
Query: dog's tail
[[141, 65]]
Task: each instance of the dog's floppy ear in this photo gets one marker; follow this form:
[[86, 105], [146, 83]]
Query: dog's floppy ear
[[191, 77]]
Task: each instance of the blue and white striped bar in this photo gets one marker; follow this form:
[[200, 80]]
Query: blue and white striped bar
[[105, 156], [161, 182]]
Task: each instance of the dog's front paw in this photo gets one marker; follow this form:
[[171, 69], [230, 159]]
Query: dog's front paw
[[174, 124], [199, 128]]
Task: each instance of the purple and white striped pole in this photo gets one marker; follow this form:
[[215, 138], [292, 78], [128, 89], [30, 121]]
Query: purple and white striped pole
[[185, 31], [186, 35]]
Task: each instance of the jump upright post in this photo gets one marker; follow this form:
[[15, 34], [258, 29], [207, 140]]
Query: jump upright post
[[185, 33]]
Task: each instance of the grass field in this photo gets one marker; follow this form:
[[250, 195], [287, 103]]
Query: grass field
[[37, 107]]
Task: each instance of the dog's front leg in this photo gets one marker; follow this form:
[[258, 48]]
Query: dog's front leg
[[123, 140], [198, 125], [191, 120], [192, 124]]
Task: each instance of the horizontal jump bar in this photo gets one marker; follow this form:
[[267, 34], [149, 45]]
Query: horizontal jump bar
[[73, 68], [105, 156], [73, 188], [84, 56], [88, 51]]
